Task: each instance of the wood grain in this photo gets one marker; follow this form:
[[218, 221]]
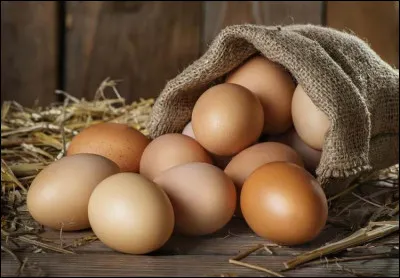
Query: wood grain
[[116, 264], [377, 22], [199, 256], [143, 43], [235, 237], [219, 14], [29, 48]]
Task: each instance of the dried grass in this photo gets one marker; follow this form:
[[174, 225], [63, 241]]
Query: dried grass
[[34, 138]]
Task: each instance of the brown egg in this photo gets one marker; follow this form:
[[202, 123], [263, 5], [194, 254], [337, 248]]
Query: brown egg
[[203, 197], [227, 118], [118, 142], [244, 163], [310, 156], [218, 160], [170, 150], [59, 195], [283, 203], [311, 124], [273, 85], [131, 214]]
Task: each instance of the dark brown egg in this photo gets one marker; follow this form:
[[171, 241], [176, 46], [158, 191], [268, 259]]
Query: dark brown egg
[[248, 160], [118, 142], [284, 203]]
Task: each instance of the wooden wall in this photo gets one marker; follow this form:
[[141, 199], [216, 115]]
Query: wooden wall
[[74, 45], [29, 51]]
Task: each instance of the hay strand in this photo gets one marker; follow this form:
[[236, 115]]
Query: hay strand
[[32, 138], [362, 236]]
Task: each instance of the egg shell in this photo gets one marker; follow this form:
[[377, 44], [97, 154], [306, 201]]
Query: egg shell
[[227, 118], [274, 87], [284, 203], [170, 150], [119, 142], [59, 195], [310, 156], [188, 130], [218, 160], [203, 197], [131, 214], [248, 160], [310, 122]]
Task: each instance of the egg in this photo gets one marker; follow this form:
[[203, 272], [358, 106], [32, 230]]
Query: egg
[[131, 214], [283, 203], [219, 161], [169, 150], [273, 85], [119, 142], [310, 122], [227, 118], [59, 195], [248, 160], [310, 156], [188, 130], [203, 197]]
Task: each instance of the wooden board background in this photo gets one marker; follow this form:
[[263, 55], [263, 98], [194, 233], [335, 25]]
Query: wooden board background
[[376, 22], [196, 257], [74, 45], [29, 50]]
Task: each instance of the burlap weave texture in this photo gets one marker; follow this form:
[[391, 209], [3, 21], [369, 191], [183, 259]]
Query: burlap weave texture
[[342, 75]]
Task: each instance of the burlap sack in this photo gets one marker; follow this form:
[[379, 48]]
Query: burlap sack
[[347, 80]]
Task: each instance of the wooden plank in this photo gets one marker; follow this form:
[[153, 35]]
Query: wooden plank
[[228, 244], [115, 264], [29, 48], [235, 237], [290, 12], [219, 14], [143, 43], [377, 22]]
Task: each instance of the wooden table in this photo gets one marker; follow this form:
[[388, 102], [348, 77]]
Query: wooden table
[[202, 256]]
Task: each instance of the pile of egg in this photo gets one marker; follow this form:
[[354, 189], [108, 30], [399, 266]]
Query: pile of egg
[[249, 150]]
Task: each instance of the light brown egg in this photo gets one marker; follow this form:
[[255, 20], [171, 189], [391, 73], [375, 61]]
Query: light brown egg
[[248, 160], [59, 195], [311, 124], [310, 156], [170, 150], [227, 118], [273, 85], [203, 197], [284, 203], [218, 160], [131, 214], [118, 142]]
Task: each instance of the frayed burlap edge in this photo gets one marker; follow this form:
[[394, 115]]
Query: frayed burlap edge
[[177, 99]]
